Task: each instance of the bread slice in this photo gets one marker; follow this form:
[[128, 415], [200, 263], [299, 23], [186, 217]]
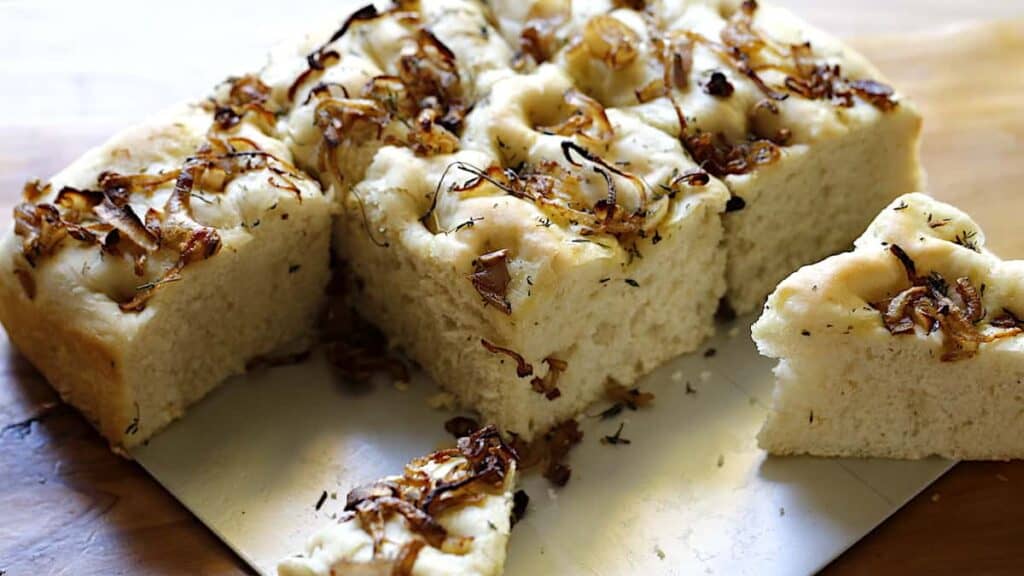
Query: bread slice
[[521, 306], [449, 513], [908, 346], [521, 299], [797, 125], [162, 262]]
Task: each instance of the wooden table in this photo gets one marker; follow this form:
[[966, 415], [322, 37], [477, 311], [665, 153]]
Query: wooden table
[[67, 505]]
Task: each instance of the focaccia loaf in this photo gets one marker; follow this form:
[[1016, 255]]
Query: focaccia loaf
[[532, 198]]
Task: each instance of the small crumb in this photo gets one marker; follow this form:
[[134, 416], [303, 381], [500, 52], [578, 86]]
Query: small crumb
[[936, 497], [705, 376], [552, 494], [659, 552], [677, 376], [443, 401], [401, 385], [721, 460], [690, 390], [710, 353], [1002, 478], [782, 511], [805, 332], [334, 495]]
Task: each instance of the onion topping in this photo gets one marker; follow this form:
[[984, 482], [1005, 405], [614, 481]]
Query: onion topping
[[420, 499], [721, 158], [538, 41], [587, 119], [556, 189], [523, 368], [608, 39], [548, 385], [105, 217], [247, 94], [930, 305], [491, 279]]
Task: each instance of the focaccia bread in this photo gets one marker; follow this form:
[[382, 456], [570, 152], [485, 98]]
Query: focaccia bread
[[449, 513], [526, 270], [798, 126], [911, 345], [163, 261], [533, 198]]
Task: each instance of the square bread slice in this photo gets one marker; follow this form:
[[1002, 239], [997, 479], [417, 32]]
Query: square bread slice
[[911, 345], [798, 126], [498, 247], [165, 260], [547, 256], [450, 512]]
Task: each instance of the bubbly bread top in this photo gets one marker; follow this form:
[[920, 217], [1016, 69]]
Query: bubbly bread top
[[543, 135], [127, 217], [922, 270], [740, 81], [526, 82], [449, 513]]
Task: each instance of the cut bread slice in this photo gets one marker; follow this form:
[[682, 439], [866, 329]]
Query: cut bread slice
[[162, 262], [449, 513], [529, 268], [911, 345], [797, 125]]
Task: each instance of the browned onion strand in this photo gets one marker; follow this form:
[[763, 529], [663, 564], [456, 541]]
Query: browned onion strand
[[929, 304], [523, 368], [609, 40], [587, 119], [538, 41], [548, 385], [491, 279], [246, 95], [547, 184]]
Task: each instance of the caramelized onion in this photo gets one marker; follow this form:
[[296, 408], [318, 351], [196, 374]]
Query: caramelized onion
[[721, 158], [127, 222], [523, 368], [419, 498], [34, 190], [491, 279], [927, 303], [548, 385], [608, 39], [587, 119], [201, 243], [538, 41]]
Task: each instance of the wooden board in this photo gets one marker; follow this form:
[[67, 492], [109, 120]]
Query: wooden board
[[70, 506]]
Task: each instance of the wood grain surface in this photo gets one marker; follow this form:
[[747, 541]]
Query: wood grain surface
[[69, 506]]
